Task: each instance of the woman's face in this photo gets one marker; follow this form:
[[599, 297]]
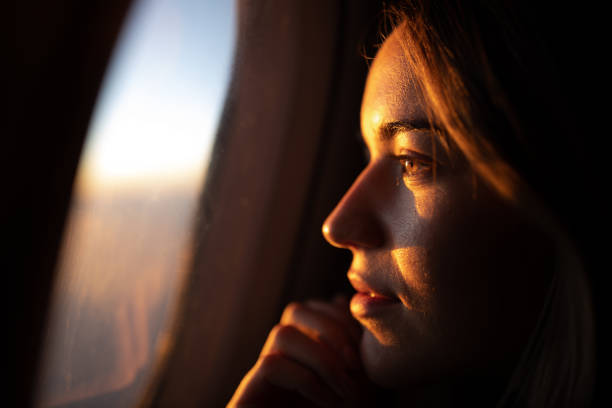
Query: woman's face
[[449, 277]]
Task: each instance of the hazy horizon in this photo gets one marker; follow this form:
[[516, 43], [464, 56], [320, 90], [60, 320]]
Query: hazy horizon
[[127, 238]]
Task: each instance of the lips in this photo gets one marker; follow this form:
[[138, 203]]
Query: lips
[[361, 286], [369, 300]]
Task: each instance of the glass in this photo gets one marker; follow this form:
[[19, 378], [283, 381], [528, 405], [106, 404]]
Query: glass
[[127, 236]]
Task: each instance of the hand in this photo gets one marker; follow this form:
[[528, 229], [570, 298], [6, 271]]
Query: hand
[[310, 358]]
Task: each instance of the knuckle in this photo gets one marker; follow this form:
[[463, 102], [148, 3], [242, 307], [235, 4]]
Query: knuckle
[[269, 363], [290, 311], [281, 332]]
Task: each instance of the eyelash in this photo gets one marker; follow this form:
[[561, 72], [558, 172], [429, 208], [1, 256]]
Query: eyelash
[[412, 167]]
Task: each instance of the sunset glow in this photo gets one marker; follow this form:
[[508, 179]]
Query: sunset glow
[[157, 114], [127, 238]]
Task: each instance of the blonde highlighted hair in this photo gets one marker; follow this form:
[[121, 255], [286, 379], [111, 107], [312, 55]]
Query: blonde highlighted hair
[[490, 85]]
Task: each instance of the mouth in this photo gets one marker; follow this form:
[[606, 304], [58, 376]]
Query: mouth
[[369, 301]]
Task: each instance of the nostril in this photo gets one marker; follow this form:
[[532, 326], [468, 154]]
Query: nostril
[[357, 231], [332, 232]]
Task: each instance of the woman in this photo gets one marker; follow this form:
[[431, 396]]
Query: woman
[[470, 285]]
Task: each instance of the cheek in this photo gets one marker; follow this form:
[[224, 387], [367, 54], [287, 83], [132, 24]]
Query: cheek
[[485, 269], [429, 236], [418, 288], [449, 252], [462, 263]]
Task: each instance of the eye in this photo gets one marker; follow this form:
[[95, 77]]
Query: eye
[[413, 167]]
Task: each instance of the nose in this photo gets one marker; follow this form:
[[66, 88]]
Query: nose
[[356, 221]]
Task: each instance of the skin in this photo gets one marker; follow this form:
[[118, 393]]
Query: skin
[[461, 273]]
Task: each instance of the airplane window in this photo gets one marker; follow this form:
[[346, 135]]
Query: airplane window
[[127, 235]]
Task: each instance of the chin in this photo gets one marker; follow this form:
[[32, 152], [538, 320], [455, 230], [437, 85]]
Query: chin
[[382, 362], [392, 364]]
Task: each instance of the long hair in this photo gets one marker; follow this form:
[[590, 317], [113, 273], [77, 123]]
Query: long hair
[[490, 79]]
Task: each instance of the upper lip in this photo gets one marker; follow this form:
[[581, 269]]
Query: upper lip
[[359, 282]]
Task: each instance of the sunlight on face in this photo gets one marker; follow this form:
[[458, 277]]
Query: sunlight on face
[[415, 276], [435, 265]]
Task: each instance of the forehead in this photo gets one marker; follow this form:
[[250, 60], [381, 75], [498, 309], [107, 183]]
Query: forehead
[[390, 94]]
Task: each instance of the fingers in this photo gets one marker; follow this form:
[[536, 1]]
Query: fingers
[[323, 322], [339, 310], [272, 376], [292, 342], [311, 355]]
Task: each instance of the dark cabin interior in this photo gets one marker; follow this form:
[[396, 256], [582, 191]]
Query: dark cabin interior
[[309, 53]]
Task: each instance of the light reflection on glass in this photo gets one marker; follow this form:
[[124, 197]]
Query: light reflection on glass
[[127, 235]]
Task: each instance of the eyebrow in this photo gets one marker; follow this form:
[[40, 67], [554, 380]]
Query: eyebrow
[[387, 131]]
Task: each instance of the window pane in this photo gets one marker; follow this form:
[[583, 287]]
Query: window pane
[[127, 236]]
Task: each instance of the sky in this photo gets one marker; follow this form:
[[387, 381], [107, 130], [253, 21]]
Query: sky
[[163, 93], [154, 121]]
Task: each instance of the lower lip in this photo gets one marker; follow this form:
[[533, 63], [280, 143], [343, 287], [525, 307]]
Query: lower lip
[[363, 304]]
